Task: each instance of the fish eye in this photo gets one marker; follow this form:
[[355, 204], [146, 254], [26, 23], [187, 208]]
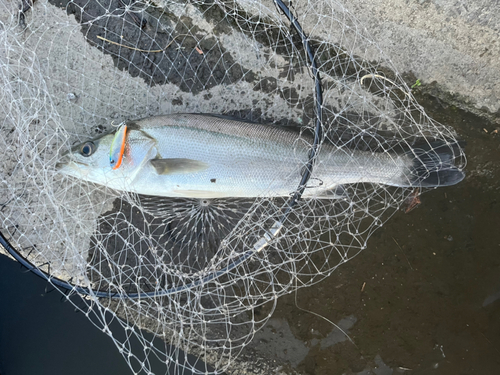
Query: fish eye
[[87, 149]]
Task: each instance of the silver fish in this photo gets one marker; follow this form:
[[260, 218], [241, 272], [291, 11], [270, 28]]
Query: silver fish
[[205, 156]]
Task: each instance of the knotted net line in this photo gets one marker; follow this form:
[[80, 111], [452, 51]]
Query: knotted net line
[[192, 272]]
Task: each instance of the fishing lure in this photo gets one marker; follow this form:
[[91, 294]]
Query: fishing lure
[[118, 147]]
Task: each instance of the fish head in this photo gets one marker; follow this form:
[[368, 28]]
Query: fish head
[[90, 160]]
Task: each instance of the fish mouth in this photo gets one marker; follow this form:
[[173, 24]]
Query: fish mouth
[[67, 164], [63, 161]]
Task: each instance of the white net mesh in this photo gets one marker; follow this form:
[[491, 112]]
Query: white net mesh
[[191, 270]]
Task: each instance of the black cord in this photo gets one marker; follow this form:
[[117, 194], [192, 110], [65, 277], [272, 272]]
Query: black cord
[[318, 131]]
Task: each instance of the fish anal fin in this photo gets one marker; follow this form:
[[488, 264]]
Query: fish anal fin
[[177, 166]]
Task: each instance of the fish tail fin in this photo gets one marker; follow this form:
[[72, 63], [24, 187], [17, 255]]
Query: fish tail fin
[[435, 164]]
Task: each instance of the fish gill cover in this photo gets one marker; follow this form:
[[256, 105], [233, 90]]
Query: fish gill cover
[[193, 270]]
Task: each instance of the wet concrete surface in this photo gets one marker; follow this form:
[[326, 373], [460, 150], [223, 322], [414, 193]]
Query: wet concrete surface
[[424, 297]]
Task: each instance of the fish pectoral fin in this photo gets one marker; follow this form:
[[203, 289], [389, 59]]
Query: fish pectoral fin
[[177, 166]]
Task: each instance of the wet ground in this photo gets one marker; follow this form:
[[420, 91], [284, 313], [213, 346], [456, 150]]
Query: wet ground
[[424, 297]]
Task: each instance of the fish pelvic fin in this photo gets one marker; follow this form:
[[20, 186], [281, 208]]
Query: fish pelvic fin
[[177, 166]]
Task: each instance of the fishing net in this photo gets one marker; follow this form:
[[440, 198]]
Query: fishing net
[[184, 277]]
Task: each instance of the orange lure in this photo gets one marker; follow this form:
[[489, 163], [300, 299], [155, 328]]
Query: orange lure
[[118, 147]]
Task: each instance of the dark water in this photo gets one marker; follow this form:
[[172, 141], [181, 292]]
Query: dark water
[[40, 332]]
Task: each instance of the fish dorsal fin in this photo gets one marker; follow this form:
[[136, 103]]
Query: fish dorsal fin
[[177, 166]]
